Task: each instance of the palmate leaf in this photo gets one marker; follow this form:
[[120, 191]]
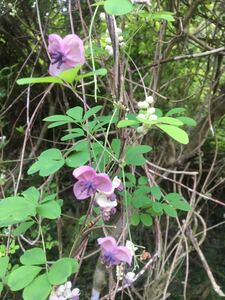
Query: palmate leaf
[[68, 76]]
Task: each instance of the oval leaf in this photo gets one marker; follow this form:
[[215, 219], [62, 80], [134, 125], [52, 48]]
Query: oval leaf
[[35, 256], [39, 289], [22, 276], [176, 133], [118, 7]]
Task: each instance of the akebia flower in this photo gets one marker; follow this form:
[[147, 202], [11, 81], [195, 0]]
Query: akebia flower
[[113, 254], [65, 53], [89, 182]]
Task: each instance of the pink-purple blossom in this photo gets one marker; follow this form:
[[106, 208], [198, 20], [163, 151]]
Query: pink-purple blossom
[[113, 254], [65, 52], [89, 182]]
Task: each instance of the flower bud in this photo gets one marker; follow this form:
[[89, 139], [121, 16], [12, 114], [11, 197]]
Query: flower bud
[[141, 116], [153, 117], [108, 40], [149, 99], [109, 49], [119, 31], [102, 16], [151, 110], [143, 104]]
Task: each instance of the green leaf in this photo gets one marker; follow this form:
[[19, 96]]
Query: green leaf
[[169, 210], [116, 145], [135, 220], [49, 210], [22, 228], [176, 110], [165, 15], [134, 155], [99, 72], [39, 289], [181, 205], [48, 163], [60, 271], [58, 118], [68, 76], [76, 113], [72, 135], [187, 121], [77, 159], [156, 192], [176, 133], [118, 7], [4, 262], [173, 196], [15, 209], [146, 219], [57, 124], [32, 194], [157, 207], [34, 256], [92, 111], [125, 123], [170, 121], [143, 180], [22, 276]]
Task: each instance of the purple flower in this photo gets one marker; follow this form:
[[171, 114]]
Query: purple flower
[[113, 254], [90, 182], [65, 53]]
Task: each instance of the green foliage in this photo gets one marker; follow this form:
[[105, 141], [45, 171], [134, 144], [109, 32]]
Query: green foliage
[[49, 162], [118, 7], [4, 262], [134, 155], [15, 209], [39, 289], [61, 270], [21, 277], [34, 256], [66, 77]]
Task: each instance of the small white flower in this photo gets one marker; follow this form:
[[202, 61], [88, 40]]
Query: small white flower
[[149, 99], [116, 182], [151, 110], [140, 129], [153, 117], [61, 289], [141, 116], [119, 31], [102, 16], [109, 49], [131, 247], [143, 104], [120, 38], [103, 201], [122, 44], [129, 277], [108, 40], [68, 284]]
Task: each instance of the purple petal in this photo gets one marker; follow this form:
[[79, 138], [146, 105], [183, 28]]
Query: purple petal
[[108, 244], [123, 254], [55, 70], [85, 173], [103, 183], [54, 43], [80, 191], [73, 49]]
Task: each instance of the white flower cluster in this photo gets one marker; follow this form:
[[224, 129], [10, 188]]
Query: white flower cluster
[[108, 46], [64, 292], [147, 112]]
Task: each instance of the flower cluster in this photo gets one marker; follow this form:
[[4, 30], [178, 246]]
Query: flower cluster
[[98, 185], [65, 53], [113, 254], [64, 292], [146, 112], [108, 41]]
